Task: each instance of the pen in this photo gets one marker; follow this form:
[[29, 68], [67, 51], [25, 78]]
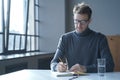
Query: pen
[[74, 77], [60, 59], [63, 62]]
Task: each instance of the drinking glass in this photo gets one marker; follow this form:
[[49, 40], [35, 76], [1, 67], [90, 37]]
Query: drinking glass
[[101, 65]]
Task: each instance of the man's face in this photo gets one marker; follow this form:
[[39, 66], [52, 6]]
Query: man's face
[[81, 22]]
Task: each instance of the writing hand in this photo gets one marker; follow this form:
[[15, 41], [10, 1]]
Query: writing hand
[[61, 67]]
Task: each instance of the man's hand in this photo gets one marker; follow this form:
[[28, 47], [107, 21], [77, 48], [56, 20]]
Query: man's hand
[[61, 67], [78, 68]]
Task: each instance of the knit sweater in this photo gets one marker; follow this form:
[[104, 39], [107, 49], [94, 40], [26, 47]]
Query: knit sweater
[[84, 49]]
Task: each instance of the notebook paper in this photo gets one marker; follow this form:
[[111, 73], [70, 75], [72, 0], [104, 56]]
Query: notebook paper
[[64, 74]]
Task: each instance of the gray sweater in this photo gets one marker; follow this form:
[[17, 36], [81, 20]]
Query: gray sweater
[[83, 48]]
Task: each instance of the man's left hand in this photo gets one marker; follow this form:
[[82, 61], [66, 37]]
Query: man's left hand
[[78, 68]]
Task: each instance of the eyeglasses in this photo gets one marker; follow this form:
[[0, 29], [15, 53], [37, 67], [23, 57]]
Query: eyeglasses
[[82, 22]]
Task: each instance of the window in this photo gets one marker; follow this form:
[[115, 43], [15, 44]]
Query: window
[[1, 26], [18, 26]]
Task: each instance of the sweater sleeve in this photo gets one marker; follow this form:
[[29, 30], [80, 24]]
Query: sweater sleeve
[[104, 52], [91, 68], [58, 54]]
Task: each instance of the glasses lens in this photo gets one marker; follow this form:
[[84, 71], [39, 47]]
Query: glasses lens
[[83, 22], [80, 21]]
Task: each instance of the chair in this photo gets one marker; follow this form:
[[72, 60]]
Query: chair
[[114, 45]]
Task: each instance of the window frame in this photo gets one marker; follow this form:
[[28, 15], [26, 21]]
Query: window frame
[[6, 33]]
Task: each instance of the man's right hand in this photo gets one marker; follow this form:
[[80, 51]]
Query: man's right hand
[[61, 67]]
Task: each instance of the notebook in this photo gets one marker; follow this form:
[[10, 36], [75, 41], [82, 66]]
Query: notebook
[[64, 74]]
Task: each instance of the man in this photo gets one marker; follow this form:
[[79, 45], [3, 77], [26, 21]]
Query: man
[[83, 46]]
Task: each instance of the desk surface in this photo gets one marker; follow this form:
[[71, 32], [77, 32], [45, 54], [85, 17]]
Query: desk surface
[[47, 75]]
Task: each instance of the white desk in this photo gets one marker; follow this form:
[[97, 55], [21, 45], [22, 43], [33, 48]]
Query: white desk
[[47, 75]]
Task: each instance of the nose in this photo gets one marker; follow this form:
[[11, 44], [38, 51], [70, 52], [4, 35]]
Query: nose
[[79, 24]]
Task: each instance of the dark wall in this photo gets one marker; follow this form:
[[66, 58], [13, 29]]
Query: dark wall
[[41, 61]]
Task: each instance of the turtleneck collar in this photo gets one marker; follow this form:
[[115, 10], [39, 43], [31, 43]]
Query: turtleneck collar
[[84, 33]]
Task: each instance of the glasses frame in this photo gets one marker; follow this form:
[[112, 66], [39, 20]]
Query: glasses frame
[[82, 22]]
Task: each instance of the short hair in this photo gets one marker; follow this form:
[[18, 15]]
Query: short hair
[[82, 8]]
